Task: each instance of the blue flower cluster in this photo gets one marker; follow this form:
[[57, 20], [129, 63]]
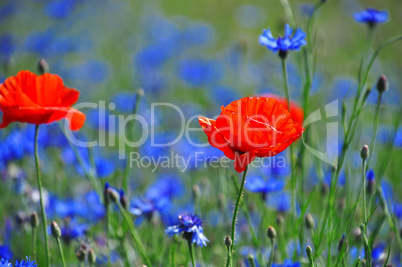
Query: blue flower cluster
[[23, 263], [285, 43], [371, 16], [191, 227]]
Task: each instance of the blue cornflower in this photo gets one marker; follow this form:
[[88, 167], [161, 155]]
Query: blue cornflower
[[191, 227], [370, 175], [283, 44], [257, 184], [5, 252], [5, 263], [287, 263], [371, 16], [200, 72], [27, 263]]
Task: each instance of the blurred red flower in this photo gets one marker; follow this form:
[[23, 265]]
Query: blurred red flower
[[251, 127], [29, 98], [296, 111]]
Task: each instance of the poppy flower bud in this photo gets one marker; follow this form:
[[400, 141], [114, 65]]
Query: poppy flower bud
[[228, 241], [34, 220], [343, 243], [113, 195], [43, 67], [382, 84], [56, 232], [271, 233], [310, 223], [91, 256], [80, 254], [364, 153], [280, 220]]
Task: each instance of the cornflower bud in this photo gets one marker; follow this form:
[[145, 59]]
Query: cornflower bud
[[271, 233], [91, 256], [310, 223], [365, 152], [56, 232], [113, 195], [123, 199], [43, 67], [34, 220], [382, 84], [343, 243], [280, 220]]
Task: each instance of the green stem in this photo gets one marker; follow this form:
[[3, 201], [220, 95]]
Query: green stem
[[34, 242], [107, 231], [286, 90], [364, 193], [134, 234], [236, 210], [131, 131], [271, 256], [191, 250], [41, 195], [376, 123], [173, 255], [61, 252]]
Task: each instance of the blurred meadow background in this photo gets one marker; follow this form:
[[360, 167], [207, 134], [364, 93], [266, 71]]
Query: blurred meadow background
[[197, 55]]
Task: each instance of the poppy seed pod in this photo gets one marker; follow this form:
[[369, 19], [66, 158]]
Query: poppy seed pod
[[364, 153], [34, 220], [382, 84], [56, 232], [228, 241], [271, 233]]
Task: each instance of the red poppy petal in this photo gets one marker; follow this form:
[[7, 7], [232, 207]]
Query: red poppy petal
[[69, 96], [296, 111], [40, 115], [242, 160], [215, 138]]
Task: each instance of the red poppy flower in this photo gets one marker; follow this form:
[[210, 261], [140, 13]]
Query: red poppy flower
[[251, 127], [296, 111], [38, 99]]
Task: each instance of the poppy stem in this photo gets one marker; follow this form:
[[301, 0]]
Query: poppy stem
[[235, 214], [41, 195], [191, 250]]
